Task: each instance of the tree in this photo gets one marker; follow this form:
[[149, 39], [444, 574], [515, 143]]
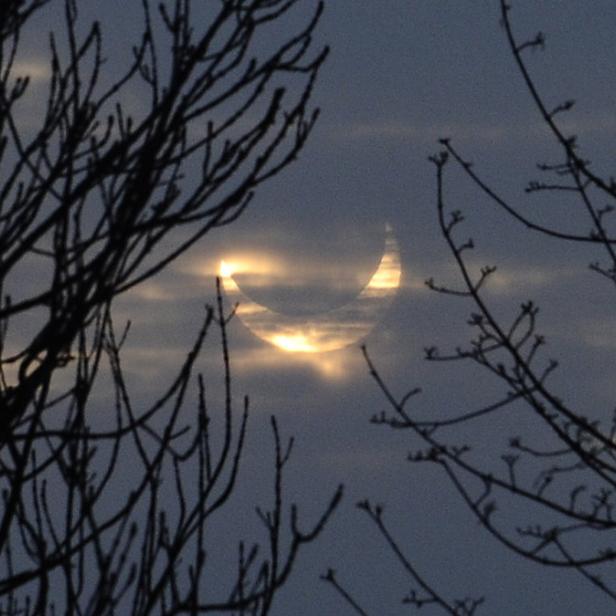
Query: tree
[[88, 202], [549, 496]]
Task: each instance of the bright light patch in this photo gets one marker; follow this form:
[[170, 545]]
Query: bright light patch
[[226, 269], [296, 343], [254, 265], [35, 70], [387, 275], [321, 333]]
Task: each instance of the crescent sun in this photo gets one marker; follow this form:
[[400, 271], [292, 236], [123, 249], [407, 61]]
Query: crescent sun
[[327, 331]]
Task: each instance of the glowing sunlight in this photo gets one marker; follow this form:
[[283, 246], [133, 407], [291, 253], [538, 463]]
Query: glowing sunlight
[[324, 332]]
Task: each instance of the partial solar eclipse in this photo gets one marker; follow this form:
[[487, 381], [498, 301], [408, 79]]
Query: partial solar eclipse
[[326, 331]]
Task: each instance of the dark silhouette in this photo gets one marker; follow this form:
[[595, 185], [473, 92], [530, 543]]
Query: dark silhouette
[[557, 482], [104, 515]]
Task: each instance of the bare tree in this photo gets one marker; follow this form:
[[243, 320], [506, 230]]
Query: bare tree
[[86, 200], [556, 482]]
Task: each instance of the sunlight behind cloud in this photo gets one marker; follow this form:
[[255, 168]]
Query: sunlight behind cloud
[[388, 274], [338, 366], [327, 331], [253, 265], [278, 265], [35, 70], [295, 343]]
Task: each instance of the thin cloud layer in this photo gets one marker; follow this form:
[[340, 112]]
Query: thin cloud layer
[[330, 330], [473, 132], [35, 69]]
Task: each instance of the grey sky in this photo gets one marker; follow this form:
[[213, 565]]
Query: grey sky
[[401, 74]]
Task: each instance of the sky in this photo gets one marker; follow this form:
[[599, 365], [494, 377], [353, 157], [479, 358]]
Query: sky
[[400, 75]]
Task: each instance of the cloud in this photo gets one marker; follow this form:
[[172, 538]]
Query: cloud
[[36, 70], [153, 292], [598, 333], [264, 269], [337, 366], [404, 131], [508, 279], [393, 129], [589, 125]]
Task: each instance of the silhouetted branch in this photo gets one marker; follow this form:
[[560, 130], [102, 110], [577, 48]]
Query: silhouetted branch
[[562, 474], [105, 505], [330, 578]]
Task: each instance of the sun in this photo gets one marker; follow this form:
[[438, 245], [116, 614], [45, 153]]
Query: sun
[[328, 331]]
